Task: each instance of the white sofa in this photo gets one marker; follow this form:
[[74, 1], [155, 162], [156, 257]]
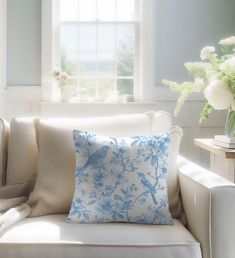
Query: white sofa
[[208, 208]]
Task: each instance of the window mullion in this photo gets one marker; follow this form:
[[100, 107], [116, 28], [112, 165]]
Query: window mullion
[[78, 52], [96, 55], [116, 49]]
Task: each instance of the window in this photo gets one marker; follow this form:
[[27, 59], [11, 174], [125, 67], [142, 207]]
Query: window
[[98, 44]]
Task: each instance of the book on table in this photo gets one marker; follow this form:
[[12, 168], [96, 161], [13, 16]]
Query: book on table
[[224, 144], [224, 141], [224, 138]]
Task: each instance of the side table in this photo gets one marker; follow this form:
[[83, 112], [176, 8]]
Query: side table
[[222, 160]]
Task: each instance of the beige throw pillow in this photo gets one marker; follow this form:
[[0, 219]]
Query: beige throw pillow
[[54, 187]]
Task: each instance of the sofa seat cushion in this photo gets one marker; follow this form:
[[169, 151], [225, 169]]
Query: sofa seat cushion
[[51, 236]]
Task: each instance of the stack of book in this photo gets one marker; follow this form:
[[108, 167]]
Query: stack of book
[[224, 141]]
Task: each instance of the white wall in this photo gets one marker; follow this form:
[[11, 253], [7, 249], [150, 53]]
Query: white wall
[[183, 27], [23, 42]]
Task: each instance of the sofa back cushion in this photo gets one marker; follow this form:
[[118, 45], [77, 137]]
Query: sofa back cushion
[[22, 151], [18, 160], [4, 134], [54, 187]]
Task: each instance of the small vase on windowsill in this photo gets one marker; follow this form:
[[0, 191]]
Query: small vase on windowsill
[[67, 92]]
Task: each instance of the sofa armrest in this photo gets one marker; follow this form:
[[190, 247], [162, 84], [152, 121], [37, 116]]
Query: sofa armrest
[[209, 203]]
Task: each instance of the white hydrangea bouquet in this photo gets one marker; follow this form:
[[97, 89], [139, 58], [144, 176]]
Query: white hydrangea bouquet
[[215, 74]]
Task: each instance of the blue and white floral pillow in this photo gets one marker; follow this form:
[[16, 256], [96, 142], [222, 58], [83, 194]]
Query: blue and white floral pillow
[[121, 179]]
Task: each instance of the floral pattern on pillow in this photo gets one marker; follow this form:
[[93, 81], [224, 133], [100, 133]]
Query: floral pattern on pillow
[[121, 179]]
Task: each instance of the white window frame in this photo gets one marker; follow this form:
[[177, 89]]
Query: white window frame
[[3, 44], [144, 71], [147, 50]]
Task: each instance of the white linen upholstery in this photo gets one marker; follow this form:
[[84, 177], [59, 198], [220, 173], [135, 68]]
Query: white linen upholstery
[[51, 236], [161, 122], [209, 204]]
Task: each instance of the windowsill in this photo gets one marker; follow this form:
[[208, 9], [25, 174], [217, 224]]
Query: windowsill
[[91, 109], [96, 103]]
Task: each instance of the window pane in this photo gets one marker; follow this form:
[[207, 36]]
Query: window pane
[[125, 64], [105, 87], [125, 86], [73, 82], [68, 10], [106, 38], [125, 10], [98, 55], [106, 10], [69, 38], [106, 64], [87, 10], [90, 85], [69, 63], [125, 37], [87, 38], [87, 64]]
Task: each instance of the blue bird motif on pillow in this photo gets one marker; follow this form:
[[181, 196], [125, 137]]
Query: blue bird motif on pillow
[[148, 186], [94, 159]]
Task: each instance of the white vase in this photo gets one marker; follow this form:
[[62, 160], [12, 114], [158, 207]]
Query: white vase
[[67, 93]]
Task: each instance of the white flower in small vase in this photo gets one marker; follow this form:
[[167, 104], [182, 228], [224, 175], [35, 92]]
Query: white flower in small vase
[[56, 73], [63, 82], [218, 95], [61, 77], [64, 77]]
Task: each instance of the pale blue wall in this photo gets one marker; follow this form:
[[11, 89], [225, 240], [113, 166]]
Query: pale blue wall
[[183, 27], [24, 42]]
